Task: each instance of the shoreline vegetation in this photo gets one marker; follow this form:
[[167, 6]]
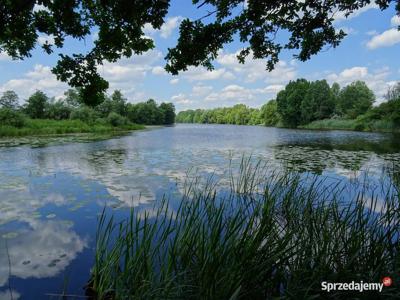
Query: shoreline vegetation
[[312, 105], [41, 115], [259, 234]]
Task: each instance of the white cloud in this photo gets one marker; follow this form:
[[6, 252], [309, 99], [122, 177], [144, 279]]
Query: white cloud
[[5, 57], [385, 39], [395, 21], [376, 80], [255, 69], [202, 74], [166, 29], [174, 81], [201, 90], [46, 38], [341, 16], [158, 70], [231, 92], [180, 99], [372, 32], [40, 78]]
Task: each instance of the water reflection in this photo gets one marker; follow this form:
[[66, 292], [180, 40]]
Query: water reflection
[[50, 196]]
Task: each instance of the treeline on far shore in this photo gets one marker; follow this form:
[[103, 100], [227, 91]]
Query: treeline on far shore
[[312, 105], [41, 114]]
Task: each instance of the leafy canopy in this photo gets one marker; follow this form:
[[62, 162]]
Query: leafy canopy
[[120, 23]]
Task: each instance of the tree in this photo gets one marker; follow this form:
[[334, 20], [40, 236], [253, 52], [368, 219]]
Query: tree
[[289, 102], [118, 103], [257, 23], [355, 99], [120, 24], [270, 113], [9, 100], [72, 98], [36, 105], [318, 102], [168, 110]]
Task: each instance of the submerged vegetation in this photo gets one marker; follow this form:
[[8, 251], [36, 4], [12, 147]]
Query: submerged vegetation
[[312, 105], [258, 235], [41, 115]]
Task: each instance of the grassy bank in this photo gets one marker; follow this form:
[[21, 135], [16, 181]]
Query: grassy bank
[[265, 235], [356, 125], [54, 127]]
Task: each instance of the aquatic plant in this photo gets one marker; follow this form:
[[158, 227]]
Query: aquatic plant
[[261, 234]]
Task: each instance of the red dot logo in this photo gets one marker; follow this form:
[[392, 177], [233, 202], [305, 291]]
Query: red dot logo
[[387, 281]]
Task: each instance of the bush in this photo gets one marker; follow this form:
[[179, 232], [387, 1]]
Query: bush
[[116, 120], [359, 127], [84, 114], [11, 117]]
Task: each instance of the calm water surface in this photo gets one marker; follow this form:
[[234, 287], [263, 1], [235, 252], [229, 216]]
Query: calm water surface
[[52, 190]]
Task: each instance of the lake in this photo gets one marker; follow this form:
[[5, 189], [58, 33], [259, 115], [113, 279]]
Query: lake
[[52, 190]]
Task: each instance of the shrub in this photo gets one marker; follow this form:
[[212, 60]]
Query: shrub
[[11, 117], [84, 114], [359, 127], [116, 120]]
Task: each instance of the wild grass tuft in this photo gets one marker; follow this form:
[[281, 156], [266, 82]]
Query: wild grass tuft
[[56, 127], [265, 235]]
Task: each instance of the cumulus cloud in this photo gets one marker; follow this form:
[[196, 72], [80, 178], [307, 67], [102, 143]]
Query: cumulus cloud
[[40, 78], [255, 69], [202, 74], [385, 39], [395, 21], [174, 81], [180, 99], [376, 80], [166, 29]]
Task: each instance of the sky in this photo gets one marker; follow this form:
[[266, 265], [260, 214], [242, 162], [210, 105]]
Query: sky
[[370, 52]]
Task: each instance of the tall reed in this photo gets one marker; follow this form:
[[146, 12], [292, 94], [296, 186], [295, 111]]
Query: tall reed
[[267, 235]]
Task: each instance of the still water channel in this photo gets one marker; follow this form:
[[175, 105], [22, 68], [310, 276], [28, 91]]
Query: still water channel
[[53, 189]]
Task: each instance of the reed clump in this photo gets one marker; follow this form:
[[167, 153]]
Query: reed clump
[[265, 235]]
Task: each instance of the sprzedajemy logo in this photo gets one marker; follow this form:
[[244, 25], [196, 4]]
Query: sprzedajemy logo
[[356, 286]]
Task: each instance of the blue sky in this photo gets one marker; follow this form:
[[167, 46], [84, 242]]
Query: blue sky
[[370, 52]]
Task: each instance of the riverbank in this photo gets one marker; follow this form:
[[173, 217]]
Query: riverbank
[[353, 125], [34, 127]]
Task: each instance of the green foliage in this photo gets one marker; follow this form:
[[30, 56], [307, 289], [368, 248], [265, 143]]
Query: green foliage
[[36, 105], [168, 111], [116, 120], [355, 99], [57, 127], [72, 98], [58, 110], [9, 99], [318, 102], [10, 117], [290, 100], [265, 236], [270, 114], [85, 114], [338, 124], [239, 114], [119, 24], [150, 113], [257, 25]]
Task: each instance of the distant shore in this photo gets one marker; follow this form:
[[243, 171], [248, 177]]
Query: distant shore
[[35, 127]]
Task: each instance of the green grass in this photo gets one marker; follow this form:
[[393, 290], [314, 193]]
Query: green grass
[[265, 236], [331, 124], [54, 127], [355, 124]]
